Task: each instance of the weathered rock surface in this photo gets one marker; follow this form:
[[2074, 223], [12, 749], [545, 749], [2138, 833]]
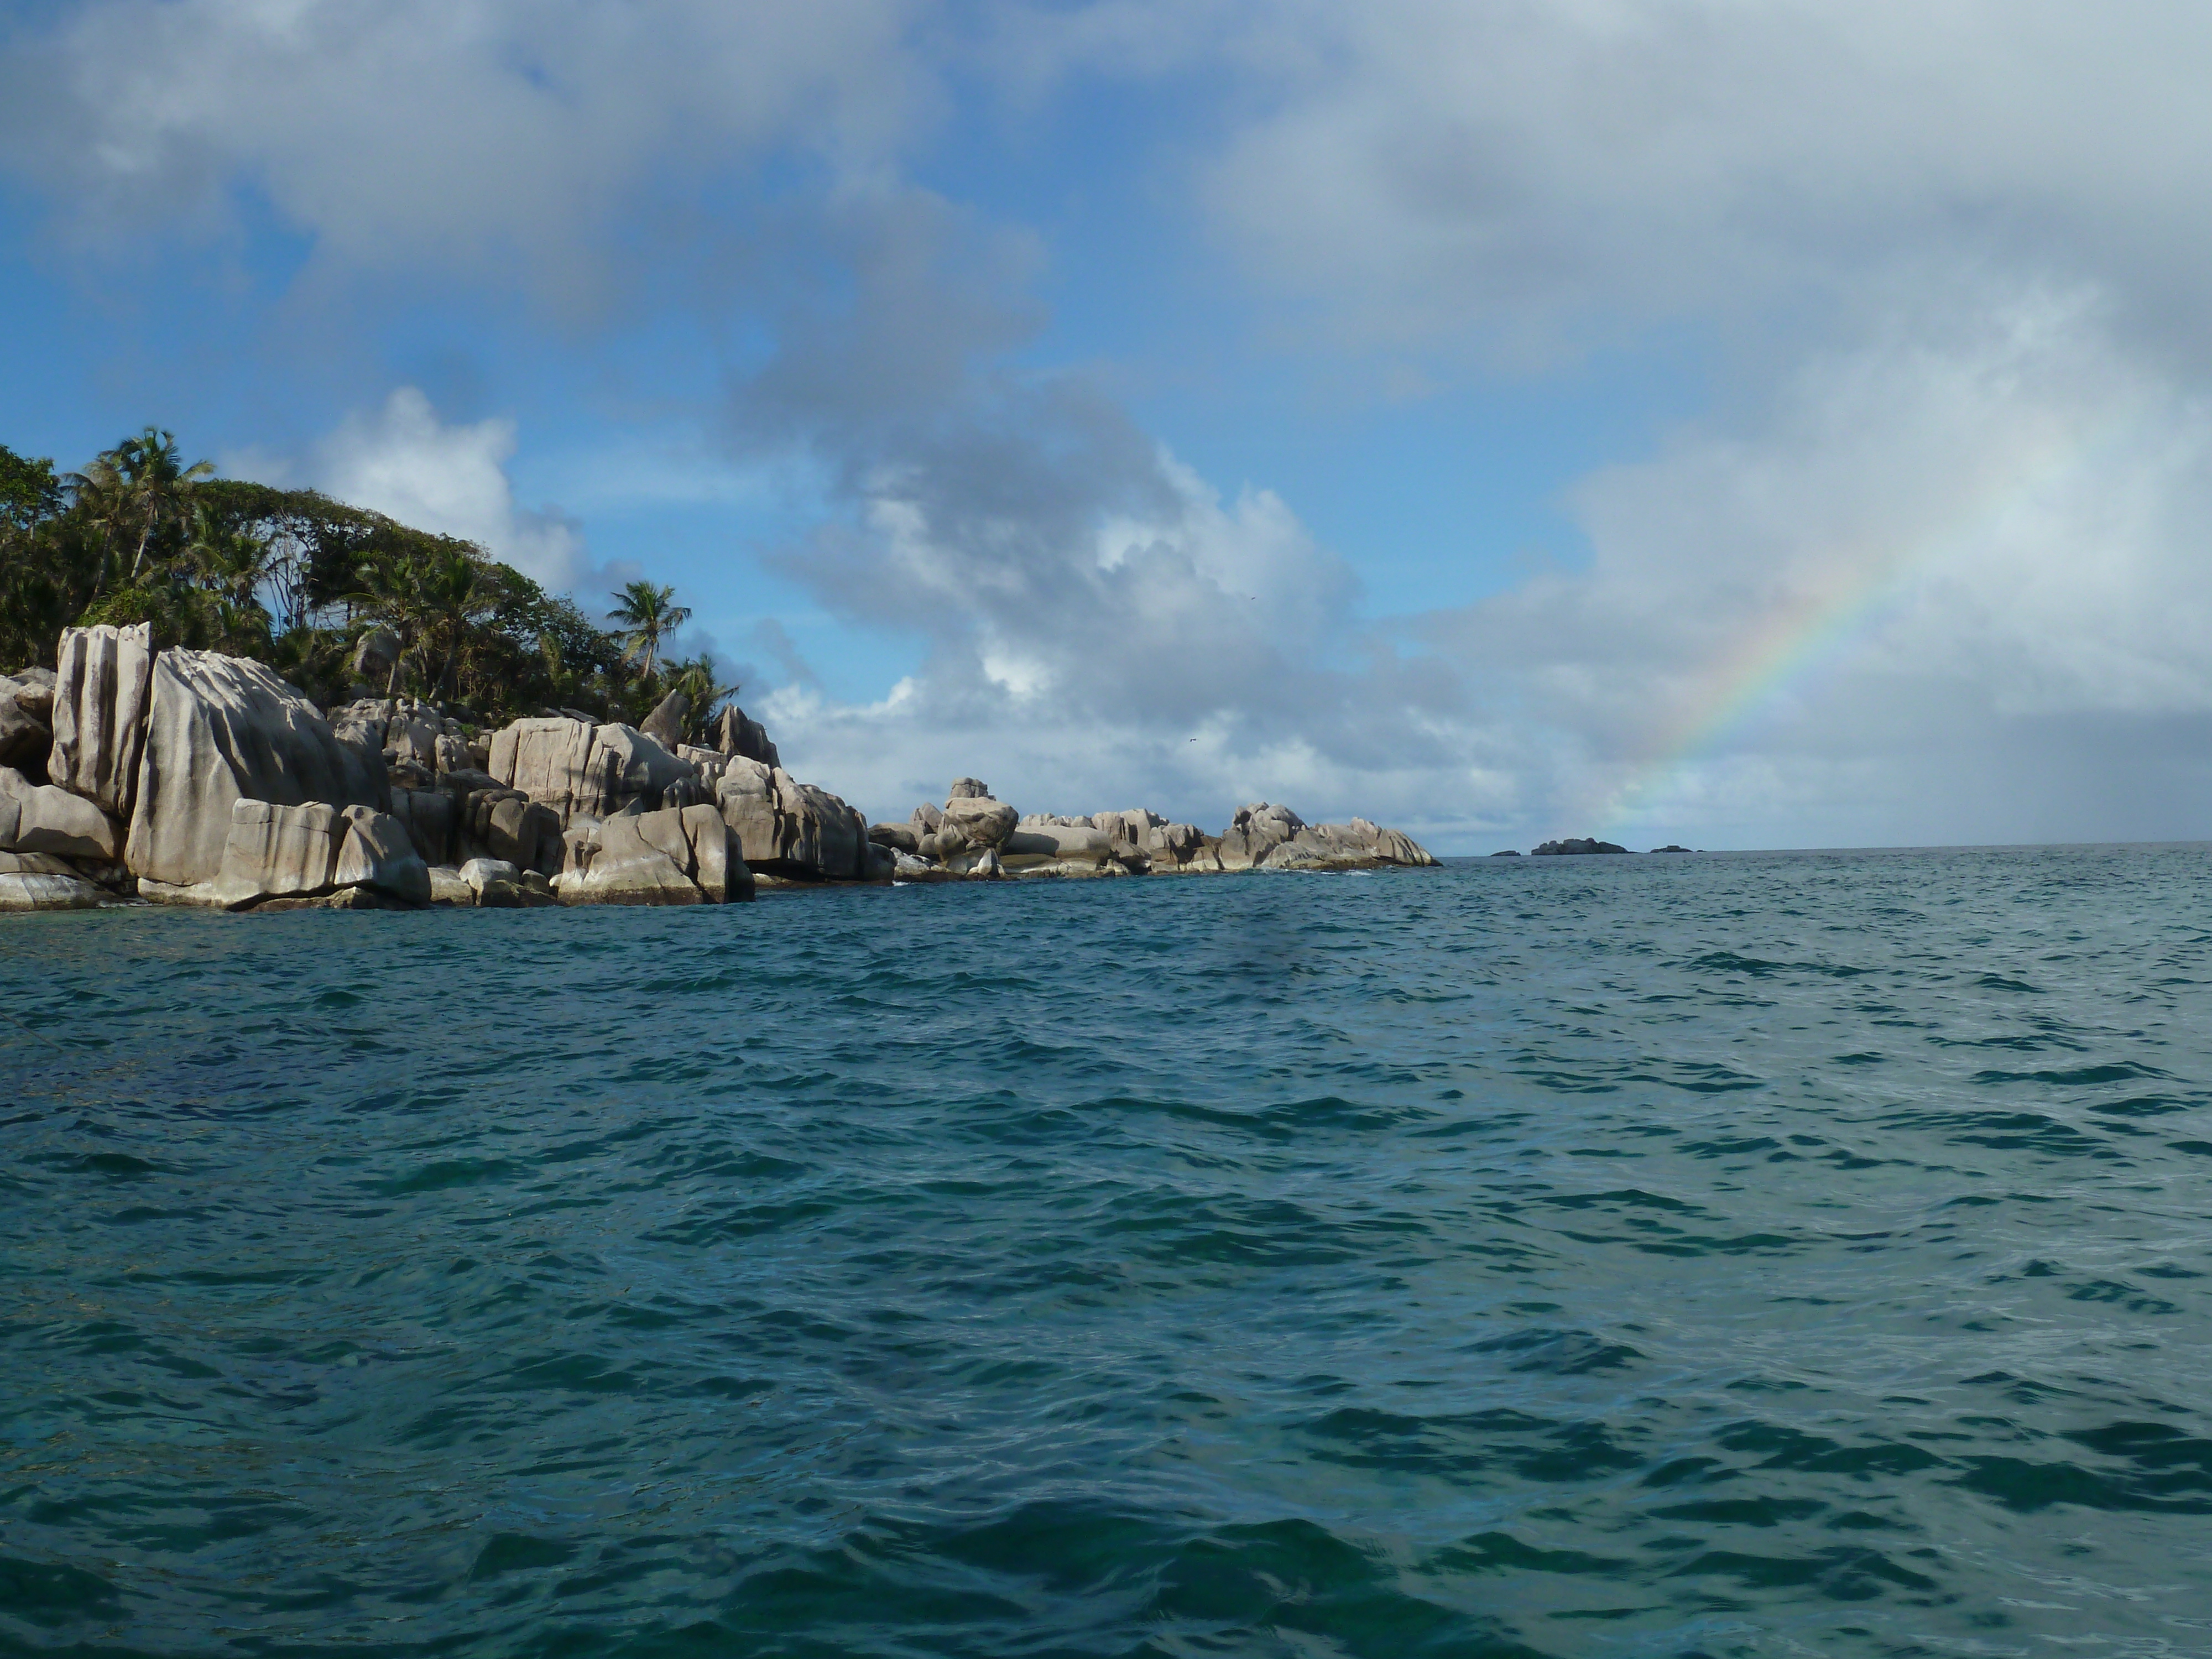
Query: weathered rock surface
[[275, 851], [581, 771], [26, 738], [429, 816], [34, 691], [102, 696], [39, 881], [982, 822], [220, 730], [1255, 832], [447, 886], [736, 735], [37, 817], [664, 725], [899, 837], [495, 883], [1038, 843], [788, 829], [375, 852], [673, 856]]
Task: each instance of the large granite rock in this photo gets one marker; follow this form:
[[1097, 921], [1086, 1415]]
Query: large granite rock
[[221, 730], [376, 852], [639, 767], [685, 856], [550, 761], [1358, 845], [39, 881], [582, 770], [899, 837], [1042, 843], [507, 825], [26, 739], [429, 816], [1255, 834], [982, 822], [789, 829], [736, 735], [664, 725], [38, 818], [102, 691], [33, 691], [275, 851]]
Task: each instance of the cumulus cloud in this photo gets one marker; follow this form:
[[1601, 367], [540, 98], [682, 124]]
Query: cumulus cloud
[[403, 461], [1089, 605]]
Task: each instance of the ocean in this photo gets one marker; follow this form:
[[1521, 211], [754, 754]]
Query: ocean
[[1728, 1254]]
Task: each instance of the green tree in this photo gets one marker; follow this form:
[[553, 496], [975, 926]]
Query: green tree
[[696, 679], [29, 492], [648, 615]]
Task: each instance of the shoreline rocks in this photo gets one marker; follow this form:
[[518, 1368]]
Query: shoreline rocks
[[192, 778]]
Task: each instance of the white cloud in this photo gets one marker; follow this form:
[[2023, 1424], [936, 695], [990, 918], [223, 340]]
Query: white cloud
[[1952, 590], [1929, 572], [451, 479], [483, 135], [1420, 168]]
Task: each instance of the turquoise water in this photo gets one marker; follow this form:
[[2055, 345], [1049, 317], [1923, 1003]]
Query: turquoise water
[[1739, 1255]]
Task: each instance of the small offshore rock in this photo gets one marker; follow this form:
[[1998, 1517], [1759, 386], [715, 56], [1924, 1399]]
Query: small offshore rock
[[1575, 845], [1507, 853]]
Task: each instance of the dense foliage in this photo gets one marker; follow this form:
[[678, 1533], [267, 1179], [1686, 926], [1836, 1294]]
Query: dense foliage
[[299, 581]]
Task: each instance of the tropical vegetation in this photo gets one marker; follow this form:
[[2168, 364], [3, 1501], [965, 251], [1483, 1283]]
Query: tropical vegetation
[[299, 580]]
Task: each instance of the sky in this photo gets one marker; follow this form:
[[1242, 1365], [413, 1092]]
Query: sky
[[1776, 424]]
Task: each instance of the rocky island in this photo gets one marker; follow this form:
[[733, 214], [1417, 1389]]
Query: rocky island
[[130, 774]]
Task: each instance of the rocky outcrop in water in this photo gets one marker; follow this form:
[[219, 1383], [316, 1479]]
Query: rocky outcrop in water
[[191, 777], [973, 834], [1562, 848]]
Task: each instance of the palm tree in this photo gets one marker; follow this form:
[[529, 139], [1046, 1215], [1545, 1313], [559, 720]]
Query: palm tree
[[101, 500], [695, 678], [650, 614], [231, 561], [452, 602], [157, 481]]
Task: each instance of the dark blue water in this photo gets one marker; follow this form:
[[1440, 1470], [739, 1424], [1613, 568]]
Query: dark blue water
[[1793, 1255]]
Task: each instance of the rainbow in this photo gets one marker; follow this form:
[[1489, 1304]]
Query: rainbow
[[1826, 621]]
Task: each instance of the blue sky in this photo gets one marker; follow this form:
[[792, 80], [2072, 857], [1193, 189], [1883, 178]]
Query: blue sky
[[1737, 426]]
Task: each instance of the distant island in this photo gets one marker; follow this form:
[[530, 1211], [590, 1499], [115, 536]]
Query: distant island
[[1573, 847], [246, 698]]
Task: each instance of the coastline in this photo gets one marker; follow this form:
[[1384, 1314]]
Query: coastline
[[133, 774]]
